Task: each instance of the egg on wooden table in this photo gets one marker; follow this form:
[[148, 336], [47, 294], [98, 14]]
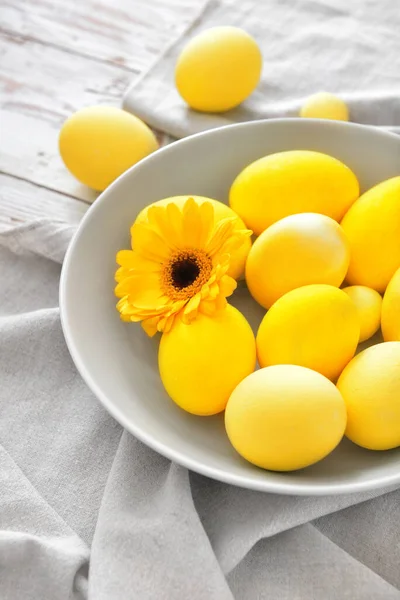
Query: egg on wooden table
[[99, 143]]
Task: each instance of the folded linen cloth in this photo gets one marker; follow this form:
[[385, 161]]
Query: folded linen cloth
[[87, 511], [348, 48]]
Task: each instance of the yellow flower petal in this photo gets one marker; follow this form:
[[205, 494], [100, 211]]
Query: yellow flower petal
[[169, 323], [220, 235], [164, 324], [143, 291], [221, 303], [122, 273], [174, 216], [123, 303], [191, 224], [227, 285], [125, 318], [158, 219], [214, 291], [207, 217], [205, 290], [235, 241], [190, 310], [207, 308], [128, 259], [149, 244], [176, 307], [150, 326], [147, 293], [125, 286], [222, 266]]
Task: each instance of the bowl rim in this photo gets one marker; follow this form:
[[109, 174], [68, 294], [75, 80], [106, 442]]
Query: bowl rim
[[289, 488]]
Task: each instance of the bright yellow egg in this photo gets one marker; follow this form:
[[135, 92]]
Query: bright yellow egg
[[370, 386], [368, 304], [287, 183], [315, 326], [296, 251], [372, 226], [221, 211], [218, 69], [202, 363], [325, 106], [391, 310], [285, 417], [99, 143]]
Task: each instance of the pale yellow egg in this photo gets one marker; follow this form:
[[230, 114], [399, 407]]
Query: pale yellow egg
[[99, 143], [298, 250], [285, 417], [202, 363], [325, 106], [221, 211], [286, 183], [368, 304], [218, 69], [391, 310], [372, 226], [315, 326], [370, 386]]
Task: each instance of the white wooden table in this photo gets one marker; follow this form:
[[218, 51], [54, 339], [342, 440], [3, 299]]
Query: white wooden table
[[56, 57]]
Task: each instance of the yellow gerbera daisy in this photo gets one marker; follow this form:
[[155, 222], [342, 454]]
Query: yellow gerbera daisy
[[177, 265]]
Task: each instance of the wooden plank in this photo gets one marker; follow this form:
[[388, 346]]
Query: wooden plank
[[21, 201], [126, 33], [40, 87], [73, 63]]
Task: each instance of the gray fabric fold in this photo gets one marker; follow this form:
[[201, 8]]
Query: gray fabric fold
[[87, 511], [348, 48]]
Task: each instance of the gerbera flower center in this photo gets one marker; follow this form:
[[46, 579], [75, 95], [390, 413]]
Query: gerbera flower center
[[185, 273]]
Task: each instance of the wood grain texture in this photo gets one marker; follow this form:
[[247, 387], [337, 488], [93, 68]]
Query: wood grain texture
[[40, 87], [128, 33], [57, 57], [22, 201]]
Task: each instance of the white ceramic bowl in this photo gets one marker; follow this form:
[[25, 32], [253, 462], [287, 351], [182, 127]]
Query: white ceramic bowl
[[119, 362]]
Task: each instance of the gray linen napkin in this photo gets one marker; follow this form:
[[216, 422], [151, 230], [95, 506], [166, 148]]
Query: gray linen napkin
[[348, 47], [87, 511]]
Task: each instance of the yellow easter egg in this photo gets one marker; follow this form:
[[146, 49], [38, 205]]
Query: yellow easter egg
[[202, 363], [372, 226], [286, 183], [368, 304], [218, 69], [325, 106], [370, 386], [315, 326], [391, 310], [221, 211], [99, 143], [298, 250], [285, 417]]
